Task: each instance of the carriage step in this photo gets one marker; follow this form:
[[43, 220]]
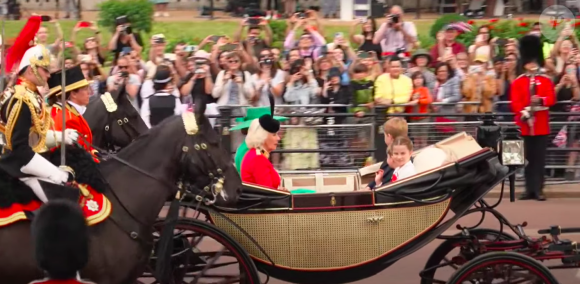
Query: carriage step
[[557, 230]]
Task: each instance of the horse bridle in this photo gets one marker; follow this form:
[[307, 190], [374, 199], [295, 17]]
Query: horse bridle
[[114, 117], [184, 188]]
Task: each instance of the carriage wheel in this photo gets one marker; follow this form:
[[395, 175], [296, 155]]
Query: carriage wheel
[[503, 268], [204, 254], [449, 254]]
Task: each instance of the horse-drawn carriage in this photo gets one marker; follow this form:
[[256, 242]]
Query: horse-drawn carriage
[[348, 234]]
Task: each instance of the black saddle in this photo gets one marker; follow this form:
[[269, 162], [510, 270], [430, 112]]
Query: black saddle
[[57, 191]]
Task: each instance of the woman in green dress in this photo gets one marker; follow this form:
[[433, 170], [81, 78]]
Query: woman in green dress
[[243, 123]]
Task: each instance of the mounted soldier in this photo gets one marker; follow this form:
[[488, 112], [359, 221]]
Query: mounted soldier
[[28, 127], [78, 93]]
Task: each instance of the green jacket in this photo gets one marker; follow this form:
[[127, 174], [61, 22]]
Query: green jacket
[[240, 154]]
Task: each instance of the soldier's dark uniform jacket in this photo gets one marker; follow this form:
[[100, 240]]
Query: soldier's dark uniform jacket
[[26, 124]]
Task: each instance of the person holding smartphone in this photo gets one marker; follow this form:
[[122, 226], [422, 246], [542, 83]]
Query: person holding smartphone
[[91, 45], [364, 40], [479, 88], [255, 27], [481, 48], [446, 45], [198, 80], [42, 36], [124, 38]]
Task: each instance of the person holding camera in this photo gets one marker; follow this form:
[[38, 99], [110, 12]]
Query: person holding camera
[[124, 40], [233, 85], [302, 88], [124, 77], [395, 33], [157, 54], [255, 27], [197, 82], [268, 80]]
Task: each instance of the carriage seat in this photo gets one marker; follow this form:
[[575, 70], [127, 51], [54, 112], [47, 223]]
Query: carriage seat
[[323, 182], [433, 156]]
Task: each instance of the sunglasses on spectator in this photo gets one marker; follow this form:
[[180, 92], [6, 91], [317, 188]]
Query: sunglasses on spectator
[[122, 66]]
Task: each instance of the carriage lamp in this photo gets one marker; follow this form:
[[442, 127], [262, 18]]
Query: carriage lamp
[[488, 133], [512, 148]]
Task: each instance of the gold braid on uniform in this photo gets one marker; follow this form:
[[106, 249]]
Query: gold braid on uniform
[[41, 122]]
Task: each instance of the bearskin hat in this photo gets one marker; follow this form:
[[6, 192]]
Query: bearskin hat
[[531, 50], [61, 239]]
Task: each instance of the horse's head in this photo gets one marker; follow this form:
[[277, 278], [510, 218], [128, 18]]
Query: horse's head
[[208, 169], [113, 120]]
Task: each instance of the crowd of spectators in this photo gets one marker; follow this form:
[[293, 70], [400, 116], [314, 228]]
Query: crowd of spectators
[[377, 63]]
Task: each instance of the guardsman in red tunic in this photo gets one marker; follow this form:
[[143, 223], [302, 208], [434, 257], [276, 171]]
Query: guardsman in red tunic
[[60, 237], [532, 94], [77, 93]]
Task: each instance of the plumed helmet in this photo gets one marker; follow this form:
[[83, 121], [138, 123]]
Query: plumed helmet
[[531, 50], [61, 239]]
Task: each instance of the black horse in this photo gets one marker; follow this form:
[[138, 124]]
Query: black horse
[[113, 120], [181, 152]]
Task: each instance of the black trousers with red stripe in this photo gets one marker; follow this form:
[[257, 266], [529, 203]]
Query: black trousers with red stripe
[[535, 151]]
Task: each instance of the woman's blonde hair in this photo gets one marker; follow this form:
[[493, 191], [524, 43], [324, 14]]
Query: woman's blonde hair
[[256, 135]]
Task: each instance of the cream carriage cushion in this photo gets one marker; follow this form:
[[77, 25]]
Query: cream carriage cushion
[[429, 159]]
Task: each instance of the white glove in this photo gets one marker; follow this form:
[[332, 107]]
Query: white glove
[[70, 135], [53, 138], [40, 167], [58, 176]]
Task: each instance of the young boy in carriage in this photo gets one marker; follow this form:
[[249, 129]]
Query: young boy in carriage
[[393, 128]]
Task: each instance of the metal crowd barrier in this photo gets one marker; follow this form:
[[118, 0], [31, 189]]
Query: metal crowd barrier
[[356, 142]]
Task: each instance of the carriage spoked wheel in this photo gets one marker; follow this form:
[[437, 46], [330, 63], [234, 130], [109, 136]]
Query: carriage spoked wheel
[[503, 268], [203, 254], [450, 255]]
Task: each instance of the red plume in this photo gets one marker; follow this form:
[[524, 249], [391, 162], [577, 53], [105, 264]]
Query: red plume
[[22, 43]]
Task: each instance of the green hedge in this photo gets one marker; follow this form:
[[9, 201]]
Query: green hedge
[[139, 13]]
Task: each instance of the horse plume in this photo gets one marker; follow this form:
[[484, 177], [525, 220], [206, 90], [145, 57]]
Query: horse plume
[[61, 239]]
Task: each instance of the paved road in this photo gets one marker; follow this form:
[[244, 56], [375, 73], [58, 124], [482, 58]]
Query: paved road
[[539, 215]]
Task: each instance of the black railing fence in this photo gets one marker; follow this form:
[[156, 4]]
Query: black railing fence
[[315, 138]]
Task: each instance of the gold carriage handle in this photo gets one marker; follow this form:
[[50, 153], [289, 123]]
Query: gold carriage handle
[[375, 219]]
